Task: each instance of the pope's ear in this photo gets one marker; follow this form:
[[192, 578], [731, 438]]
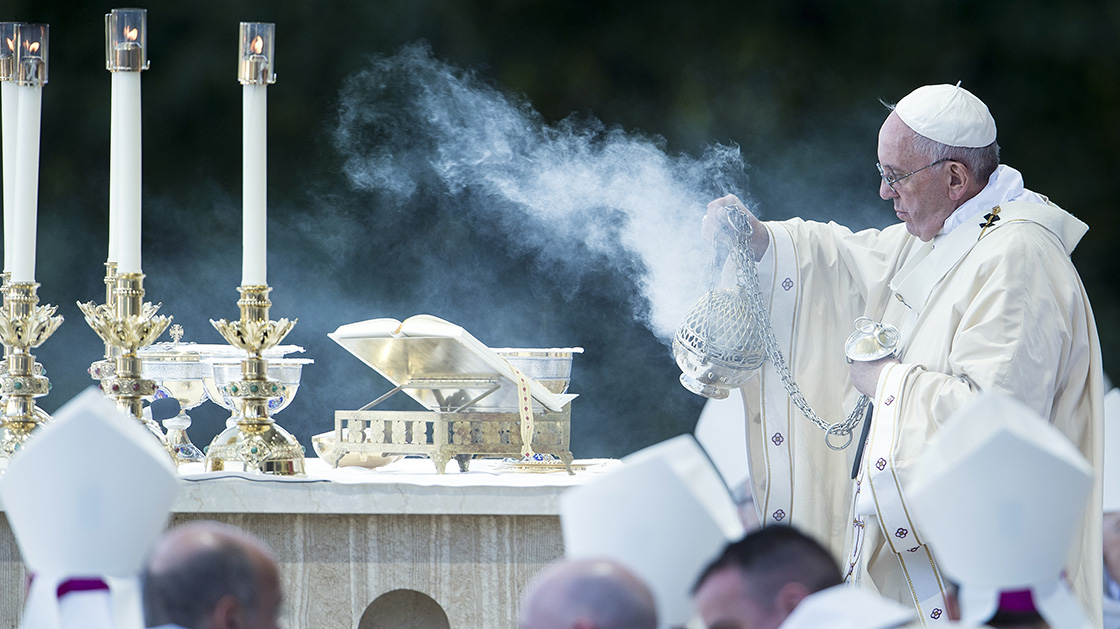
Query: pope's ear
[[960, 180]]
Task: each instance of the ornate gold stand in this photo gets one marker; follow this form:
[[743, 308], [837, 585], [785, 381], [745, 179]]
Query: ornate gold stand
[[104, 368], [129, 324], [24, 324], [256, 443]]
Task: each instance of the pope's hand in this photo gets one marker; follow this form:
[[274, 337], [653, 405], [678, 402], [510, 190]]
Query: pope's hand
[[717, 225], [865, 374]]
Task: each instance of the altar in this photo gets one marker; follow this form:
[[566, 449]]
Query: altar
[[399, 546]]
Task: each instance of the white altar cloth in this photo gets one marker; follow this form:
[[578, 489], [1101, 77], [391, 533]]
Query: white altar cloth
[[406, 486]]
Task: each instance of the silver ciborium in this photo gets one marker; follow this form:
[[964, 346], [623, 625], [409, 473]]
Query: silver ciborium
[[177, 370]]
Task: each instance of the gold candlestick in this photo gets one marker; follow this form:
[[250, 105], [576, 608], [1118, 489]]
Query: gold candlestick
[[257, 443], [104, 368], [24, 325], [131, 323]]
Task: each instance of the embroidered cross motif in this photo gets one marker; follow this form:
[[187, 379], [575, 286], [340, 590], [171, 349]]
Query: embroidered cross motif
[[901, 533], [779, 515], [990, 217], [889, 401], [787, 284], [881, 464], [777, 439], [936, 613]]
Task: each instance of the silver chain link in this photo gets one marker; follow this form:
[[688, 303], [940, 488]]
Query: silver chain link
[[747, 274]]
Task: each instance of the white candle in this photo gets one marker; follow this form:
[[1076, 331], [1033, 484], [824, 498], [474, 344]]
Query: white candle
[[124, 173], [114, 159], [8, 120], [255, 72], [126, 43], [8, 113], [254, 196], [29, 101]]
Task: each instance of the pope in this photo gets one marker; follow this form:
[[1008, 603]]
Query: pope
[[978, 280]]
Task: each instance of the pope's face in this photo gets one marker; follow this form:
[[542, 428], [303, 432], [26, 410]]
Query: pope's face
[[922, 199], [724, 601]]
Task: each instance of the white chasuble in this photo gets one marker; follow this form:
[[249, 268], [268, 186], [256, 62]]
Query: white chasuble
[[996, 309]]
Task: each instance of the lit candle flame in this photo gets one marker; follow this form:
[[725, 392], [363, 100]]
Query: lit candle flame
[[131, 33], [257, 45], [33, 46], [11, 44]]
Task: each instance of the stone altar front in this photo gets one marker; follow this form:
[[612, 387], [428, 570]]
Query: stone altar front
[[373, 548]]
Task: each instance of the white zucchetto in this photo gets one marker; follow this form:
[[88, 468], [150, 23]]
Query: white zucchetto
[[948, 114]]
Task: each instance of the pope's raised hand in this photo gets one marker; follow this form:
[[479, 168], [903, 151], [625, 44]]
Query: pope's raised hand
[[716, 224]]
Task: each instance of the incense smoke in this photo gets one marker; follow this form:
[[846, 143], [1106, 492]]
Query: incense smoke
[[577, 195]]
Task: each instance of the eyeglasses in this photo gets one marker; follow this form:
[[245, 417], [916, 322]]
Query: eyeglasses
[[890, 181]]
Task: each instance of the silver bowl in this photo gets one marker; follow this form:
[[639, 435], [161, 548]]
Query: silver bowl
[[550, 367], [219, 372], [329, 450], [177, 371]]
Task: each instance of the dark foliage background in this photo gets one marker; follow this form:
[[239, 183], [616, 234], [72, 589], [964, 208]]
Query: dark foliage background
[[795, 83]]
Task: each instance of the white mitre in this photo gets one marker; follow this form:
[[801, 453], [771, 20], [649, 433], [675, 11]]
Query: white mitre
[[665, 513], [722, 432], [1001, 494], [847, 607], [86, 499], [948, 114]]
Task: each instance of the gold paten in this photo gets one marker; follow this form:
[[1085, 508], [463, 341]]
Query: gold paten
[[128, 323], [24, 324], [257, 443]]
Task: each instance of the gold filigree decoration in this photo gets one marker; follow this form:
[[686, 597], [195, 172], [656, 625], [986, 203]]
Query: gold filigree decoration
[[131, 332], [254, 335], [31, 329]]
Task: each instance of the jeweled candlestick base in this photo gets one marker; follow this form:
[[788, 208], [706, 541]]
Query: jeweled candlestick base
[[257, 443], [129, 325], [24, 325]]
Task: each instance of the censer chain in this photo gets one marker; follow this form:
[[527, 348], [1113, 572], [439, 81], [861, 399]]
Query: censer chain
[[748, 277]]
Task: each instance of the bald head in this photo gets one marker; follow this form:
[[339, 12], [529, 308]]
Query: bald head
[[207, 575], [589, 594]]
